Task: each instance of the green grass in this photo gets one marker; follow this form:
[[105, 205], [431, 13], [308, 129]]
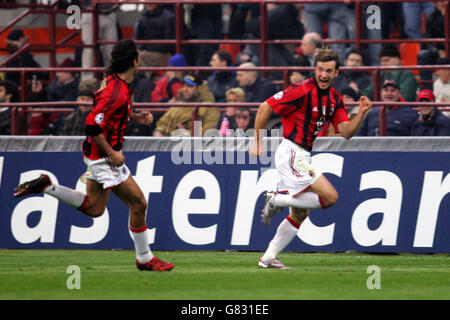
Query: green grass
[[41, 274]]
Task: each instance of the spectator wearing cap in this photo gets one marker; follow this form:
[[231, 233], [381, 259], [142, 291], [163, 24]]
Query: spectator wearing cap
[[15, 40], [221, 81], [390, 56], [74, 123], [399, 119], [65, 85], [167, 87], [358, 80], [431, 122], [193, 90], [441, 86]]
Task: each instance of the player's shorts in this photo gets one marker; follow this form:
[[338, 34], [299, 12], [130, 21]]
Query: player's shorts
[[105, 173], [293, 164]]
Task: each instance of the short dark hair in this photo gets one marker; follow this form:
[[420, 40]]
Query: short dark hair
[[122, 56], [389, 50], [353, 50], [325, 55], [225, 55], [12, 89]]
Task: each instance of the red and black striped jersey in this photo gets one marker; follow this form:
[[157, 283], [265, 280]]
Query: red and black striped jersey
[[109, 115], [304, 109]]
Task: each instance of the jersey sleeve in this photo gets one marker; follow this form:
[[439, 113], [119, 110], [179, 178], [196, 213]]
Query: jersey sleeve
[[287, 101], [340, 114], [105, 107]]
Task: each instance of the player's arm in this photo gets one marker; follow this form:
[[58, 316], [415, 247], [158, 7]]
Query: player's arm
[[349, 128], [262, 118], [116, 157]]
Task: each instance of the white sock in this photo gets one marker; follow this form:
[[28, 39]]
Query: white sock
[[306, 200], [69, 196], [140, 237], [286, 232]]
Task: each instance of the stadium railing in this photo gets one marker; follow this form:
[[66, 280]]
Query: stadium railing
[[179, 41]]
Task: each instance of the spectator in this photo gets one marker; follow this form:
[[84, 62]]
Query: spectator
[[441, 86], [207, 24], [156, 23], [412, 13], [431, 122], [8, 93], [226, 120], [368, 30], [390, 56], [167, 87], [310, 42], [74, 124], [193, 90], [430, 52], [244, 122], [256, 88], [333, 14], [63, 88], [350, 95], [358, 80], [107, 31], [15, 40], [399, 121], [283, 24], [220, 81]]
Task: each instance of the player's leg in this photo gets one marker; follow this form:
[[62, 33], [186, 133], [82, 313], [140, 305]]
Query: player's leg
[[286, 232], [93, 203], [130, 193]]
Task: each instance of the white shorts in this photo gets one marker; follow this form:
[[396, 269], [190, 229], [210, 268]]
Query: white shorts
[[292, 163], [105, 173]]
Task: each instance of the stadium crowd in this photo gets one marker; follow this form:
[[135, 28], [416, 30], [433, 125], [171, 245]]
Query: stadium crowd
[[310, 22]]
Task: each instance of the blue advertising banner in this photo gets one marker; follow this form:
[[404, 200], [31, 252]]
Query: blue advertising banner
[[388, 202]]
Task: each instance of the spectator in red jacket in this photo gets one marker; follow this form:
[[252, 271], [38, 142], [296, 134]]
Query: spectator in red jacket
[[167, 87]]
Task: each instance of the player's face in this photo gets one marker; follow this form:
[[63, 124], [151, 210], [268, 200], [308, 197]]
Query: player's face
[[390, 94], [325, 73]]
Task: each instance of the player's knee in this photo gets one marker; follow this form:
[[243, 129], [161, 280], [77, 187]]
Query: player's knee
[[330, 199], [140, 206], [94, 210]]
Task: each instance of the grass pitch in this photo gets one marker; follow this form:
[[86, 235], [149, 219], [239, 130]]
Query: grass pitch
[[111, 275]]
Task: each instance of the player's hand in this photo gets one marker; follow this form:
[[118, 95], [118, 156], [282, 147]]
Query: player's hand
[[256, 149], [116, 158], [144, 118], [364, 104]]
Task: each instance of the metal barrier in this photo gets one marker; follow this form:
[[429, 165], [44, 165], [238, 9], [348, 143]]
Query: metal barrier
[[179, 41]]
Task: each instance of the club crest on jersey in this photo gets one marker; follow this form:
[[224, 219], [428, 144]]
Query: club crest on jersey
[[99, 118], [278, 96]]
